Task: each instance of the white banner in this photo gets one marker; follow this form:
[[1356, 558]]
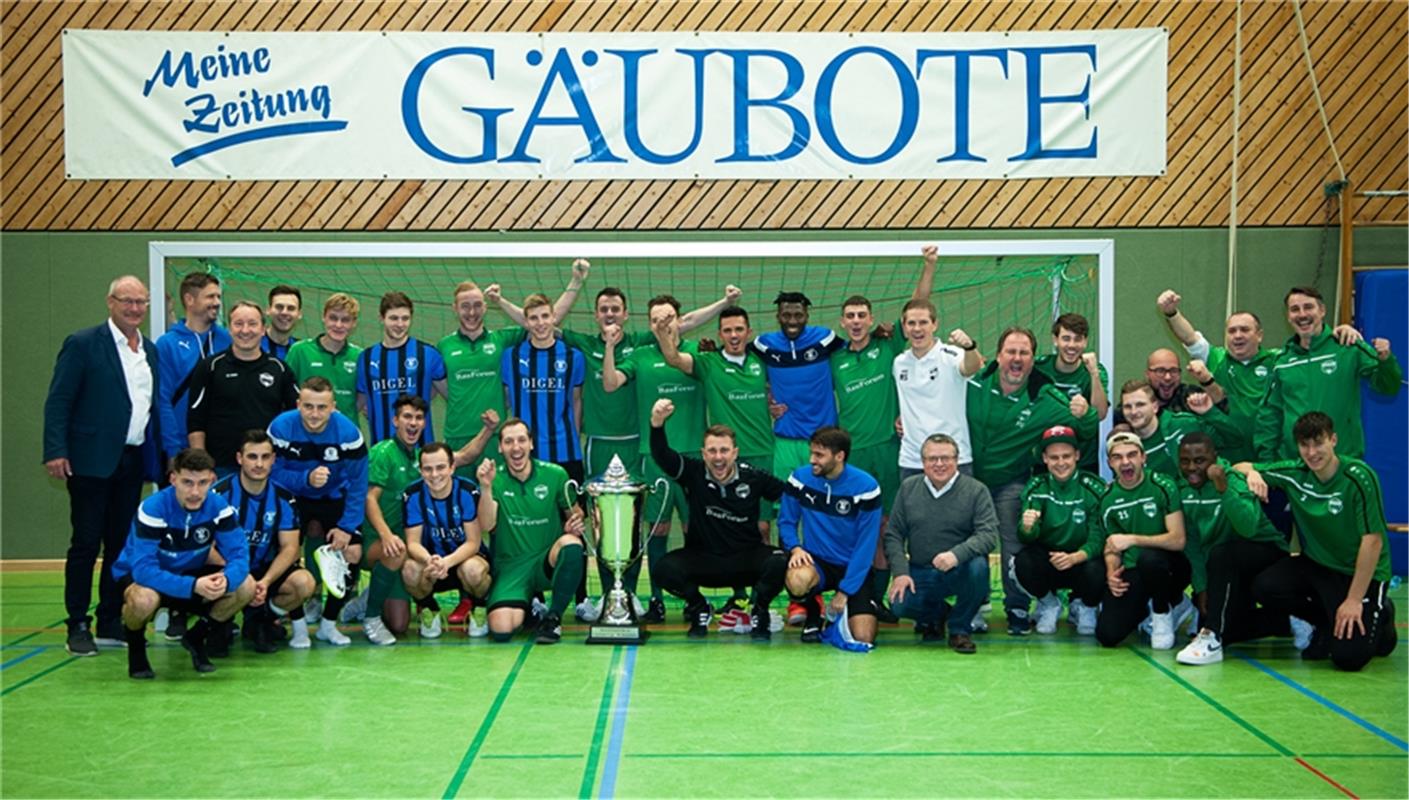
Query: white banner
[[199, 105]]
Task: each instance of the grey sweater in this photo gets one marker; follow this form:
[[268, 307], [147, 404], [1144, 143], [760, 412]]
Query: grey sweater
[[921, 527]]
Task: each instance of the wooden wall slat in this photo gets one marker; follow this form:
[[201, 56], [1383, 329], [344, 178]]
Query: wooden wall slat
[[1358, 50]]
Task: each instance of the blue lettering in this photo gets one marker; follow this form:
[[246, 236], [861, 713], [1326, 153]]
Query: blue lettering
[[202, 106], [563, 70], [631, 64], [1035, 102], [802, 130], [962, 73], [909, 106], [411, 114], [217, 65]]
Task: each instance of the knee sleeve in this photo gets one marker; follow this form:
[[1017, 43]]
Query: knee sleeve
[[501, 637]]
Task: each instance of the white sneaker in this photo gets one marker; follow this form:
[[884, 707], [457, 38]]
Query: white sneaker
[[332, 567], [1049, 610], [162, 620], [1183, 611], [1145, 625], [1162, 631], [1302, 631], [356, 608], [1205, 649], [588, 611], [638, 606], [475, 628], [430, 624], [328, 632], [313, 609], [979, 624], [538, 608], [298, 637], [377, 632], [1085, 617]]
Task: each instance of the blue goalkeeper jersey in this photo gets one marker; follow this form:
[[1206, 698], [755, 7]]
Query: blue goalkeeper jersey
[[442, 522], [261, 516], [841, 519], [385, 373], [339, 447], [168, 544], [800, 377]]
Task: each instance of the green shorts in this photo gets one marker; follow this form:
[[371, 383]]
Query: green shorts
[[767, 512], [491, 451], [597, 456], [661, 500], [788, 455], [517, 581], [882, 462]]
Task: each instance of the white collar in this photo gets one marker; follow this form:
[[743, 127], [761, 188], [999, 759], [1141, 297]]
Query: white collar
[[937, 493]]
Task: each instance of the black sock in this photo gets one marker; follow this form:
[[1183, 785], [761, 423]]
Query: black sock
[[430, 602], [333, 607]]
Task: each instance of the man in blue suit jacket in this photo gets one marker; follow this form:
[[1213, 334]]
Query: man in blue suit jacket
[[98, 417]]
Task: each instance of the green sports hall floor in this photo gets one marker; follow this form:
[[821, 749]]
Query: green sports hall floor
[[1043, 716]]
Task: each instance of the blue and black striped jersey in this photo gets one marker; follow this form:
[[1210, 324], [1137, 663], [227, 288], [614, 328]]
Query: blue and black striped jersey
[[540, 385], [273, 348], [385, 373], [261, 515], [442, 522]]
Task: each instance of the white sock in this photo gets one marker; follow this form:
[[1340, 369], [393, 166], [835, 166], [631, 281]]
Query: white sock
[[300, 626]]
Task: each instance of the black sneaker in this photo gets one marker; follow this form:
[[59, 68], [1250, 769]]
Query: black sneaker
[[1386, 638], [1320, 647], [550, 629], [931, 633], [655, 612], [761, 631], [812, 623], [699, 621], [80, 641], [175, 626], [111, 634], [263, 637], [885, 615], [194, 641], [1019, 625], [218, 640]]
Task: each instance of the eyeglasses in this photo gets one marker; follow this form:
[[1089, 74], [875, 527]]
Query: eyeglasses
[[134, 302], [1165, 370], [940, 459]]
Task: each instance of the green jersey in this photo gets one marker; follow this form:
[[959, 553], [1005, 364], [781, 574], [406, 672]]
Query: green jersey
[[1140, 510], [607, 414], [391, 466], [308, 358], [1210, 519], [654, 379], [1323, 377], [472, 379], [1162, 446], [1244, 383], [1005, 429], [736, 394], [867, 403], [531, 511], [1070, 510], [1332, 516], [1076, 382]]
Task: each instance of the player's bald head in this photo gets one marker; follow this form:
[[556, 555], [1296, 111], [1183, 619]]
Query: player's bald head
[[1163, 357]]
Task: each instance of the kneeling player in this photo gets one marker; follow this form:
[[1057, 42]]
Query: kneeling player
[[1061, 536], [444, 548], [537, 535], [722, 544], [1340, 582], [839, 509], [266, 514], [168, 562]]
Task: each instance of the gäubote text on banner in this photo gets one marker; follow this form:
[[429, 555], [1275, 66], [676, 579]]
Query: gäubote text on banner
[[246, 105]]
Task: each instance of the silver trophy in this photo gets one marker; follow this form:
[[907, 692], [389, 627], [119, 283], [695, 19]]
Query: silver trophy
[[615, 502]]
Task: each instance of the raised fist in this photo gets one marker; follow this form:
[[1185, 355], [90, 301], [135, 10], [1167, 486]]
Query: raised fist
[[1199, 402], [931, 254], [486, 472], [732, 294], [958, 338], [489, 419], [612, 334], [661, 411], [1198, 370], [1168, 302], [1078, 406], [493, 293], [1031, 518], [580, 268]]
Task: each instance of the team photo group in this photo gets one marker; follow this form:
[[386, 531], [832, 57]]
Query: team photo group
[[833, 465]]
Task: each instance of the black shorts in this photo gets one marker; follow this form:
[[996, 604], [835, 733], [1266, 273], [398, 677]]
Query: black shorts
[[327, 512], [451, 582], [195, 604], [278, 583], [831, 576]]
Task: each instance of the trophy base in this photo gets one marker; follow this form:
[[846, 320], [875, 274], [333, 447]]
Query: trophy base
[[617, 634]]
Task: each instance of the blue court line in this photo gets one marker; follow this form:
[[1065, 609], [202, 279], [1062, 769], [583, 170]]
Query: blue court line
[[623, 700], [1367, 725], [38, 648]]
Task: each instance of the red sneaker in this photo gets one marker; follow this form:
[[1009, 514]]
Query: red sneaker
[[462, 611], [796, 613]]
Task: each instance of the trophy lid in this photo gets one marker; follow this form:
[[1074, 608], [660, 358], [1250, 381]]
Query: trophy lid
[[616, 479]]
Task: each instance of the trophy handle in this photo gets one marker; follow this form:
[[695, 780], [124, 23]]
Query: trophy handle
[[663, 485], [572, 490]]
